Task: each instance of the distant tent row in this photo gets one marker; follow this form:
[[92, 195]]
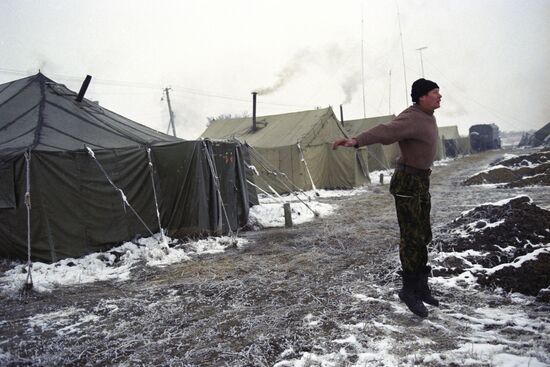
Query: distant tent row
[[297, 147], [292, 151], [75, 205]]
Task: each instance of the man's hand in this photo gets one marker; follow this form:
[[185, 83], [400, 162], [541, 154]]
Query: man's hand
[[344, 142]]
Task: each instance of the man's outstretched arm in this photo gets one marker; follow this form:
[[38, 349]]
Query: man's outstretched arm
[[352, 142]]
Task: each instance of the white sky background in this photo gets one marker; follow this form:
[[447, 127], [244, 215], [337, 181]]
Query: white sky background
[[489, 57]]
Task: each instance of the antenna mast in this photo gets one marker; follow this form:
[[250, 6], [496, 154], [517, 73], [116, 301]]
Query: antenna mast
[[421, 61], [362, 64], [389, 99], [171, 123], [402, 53]]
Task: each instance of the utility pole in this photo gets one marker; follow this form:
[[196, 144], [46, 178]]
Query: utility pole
[[421, 61], [389, 98], [171, 123]]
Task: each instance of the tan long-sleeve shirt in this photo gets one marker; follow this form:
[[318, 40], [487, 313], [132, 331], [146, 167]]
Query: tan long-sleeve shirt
[[416, 133]]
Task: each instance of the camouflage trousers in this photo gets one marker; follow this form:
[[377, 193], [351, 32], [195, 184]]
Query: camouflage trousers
[[413, 205]]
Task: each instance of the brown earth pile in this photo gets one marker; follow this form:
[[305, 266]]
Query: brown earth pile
[[500, 235], [525, 170]]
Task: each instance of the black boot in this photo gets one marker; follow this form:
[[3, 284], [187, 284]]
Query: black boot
[[410, 296], [423, 288]]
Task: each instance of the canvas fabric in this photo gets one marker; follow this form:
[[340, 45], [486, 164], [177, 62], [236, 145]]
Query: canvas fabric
[[329, 169]]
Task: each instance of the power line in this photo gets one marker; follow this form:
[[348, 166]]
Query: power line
[[131, 84], [466, 96]]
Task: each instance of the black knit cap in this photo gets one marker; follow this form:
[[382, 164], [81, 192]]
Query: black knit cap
[[421, 87]]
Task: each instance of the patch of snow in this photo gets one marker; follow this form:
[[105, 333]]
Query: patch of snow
[[272, 215], [473, 227], [496, 203], [463, 280], [510, 360], [309, 196], [509, 156], [311, 320], [443, 162], [375, 176], [364, 298], [377, 352], [519, 260], [103, 266]]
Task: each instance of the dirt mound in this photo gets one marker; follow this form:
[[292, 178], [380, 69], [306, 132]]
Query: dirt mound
[[525, 170], [504, 244], [525, 160]]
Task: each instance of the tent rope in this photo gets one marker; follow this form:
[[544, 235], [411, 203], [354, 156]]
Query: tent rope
[[28, 283], [265, 192], [303, 159], [125, 202], [388, 168], [270, 169], [217, 184], [258, 158], [151, 171]]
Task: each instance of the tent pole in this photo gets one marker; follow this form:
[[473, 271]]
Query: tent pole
[[28, 283], [151, 171], [217, 184]]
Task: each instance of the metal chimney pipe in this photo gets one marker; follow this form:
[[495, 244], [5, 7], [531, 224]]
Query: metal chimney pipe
[[254, 94], [341, 115], [83, 88]]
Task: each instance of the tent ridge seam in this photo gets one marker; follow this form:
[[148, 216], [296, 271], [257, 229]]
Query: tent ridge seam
[[40, 121]]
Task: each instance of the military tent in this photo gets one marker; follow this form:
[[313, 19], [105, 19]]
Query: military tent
[[452, 141], [292, 151], [88, 172], [449, 135]]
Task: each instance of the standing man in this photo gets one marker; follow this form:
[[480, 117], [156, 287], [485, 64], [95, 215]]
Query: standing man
[[415, 130]]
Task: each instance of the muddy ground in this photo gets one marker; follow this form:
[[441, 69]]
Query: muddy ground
[[287, 293]]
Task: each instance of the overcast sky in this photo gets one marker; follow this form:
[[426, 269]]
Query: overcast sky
[[491, 58]]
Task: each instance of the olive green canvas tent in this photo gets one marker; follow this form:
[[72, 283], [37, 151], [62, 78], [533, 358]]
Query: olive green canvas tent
[[85, 173], [450, 137], [452, 141], [292, 151]]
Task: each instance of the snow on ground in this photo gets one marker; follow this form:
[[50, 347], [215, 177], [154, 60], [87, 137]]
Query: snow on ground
[[308, 196], [443, 162], [375, 176], [272, 215], [487, 340], [304, 207], [115, 264]]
